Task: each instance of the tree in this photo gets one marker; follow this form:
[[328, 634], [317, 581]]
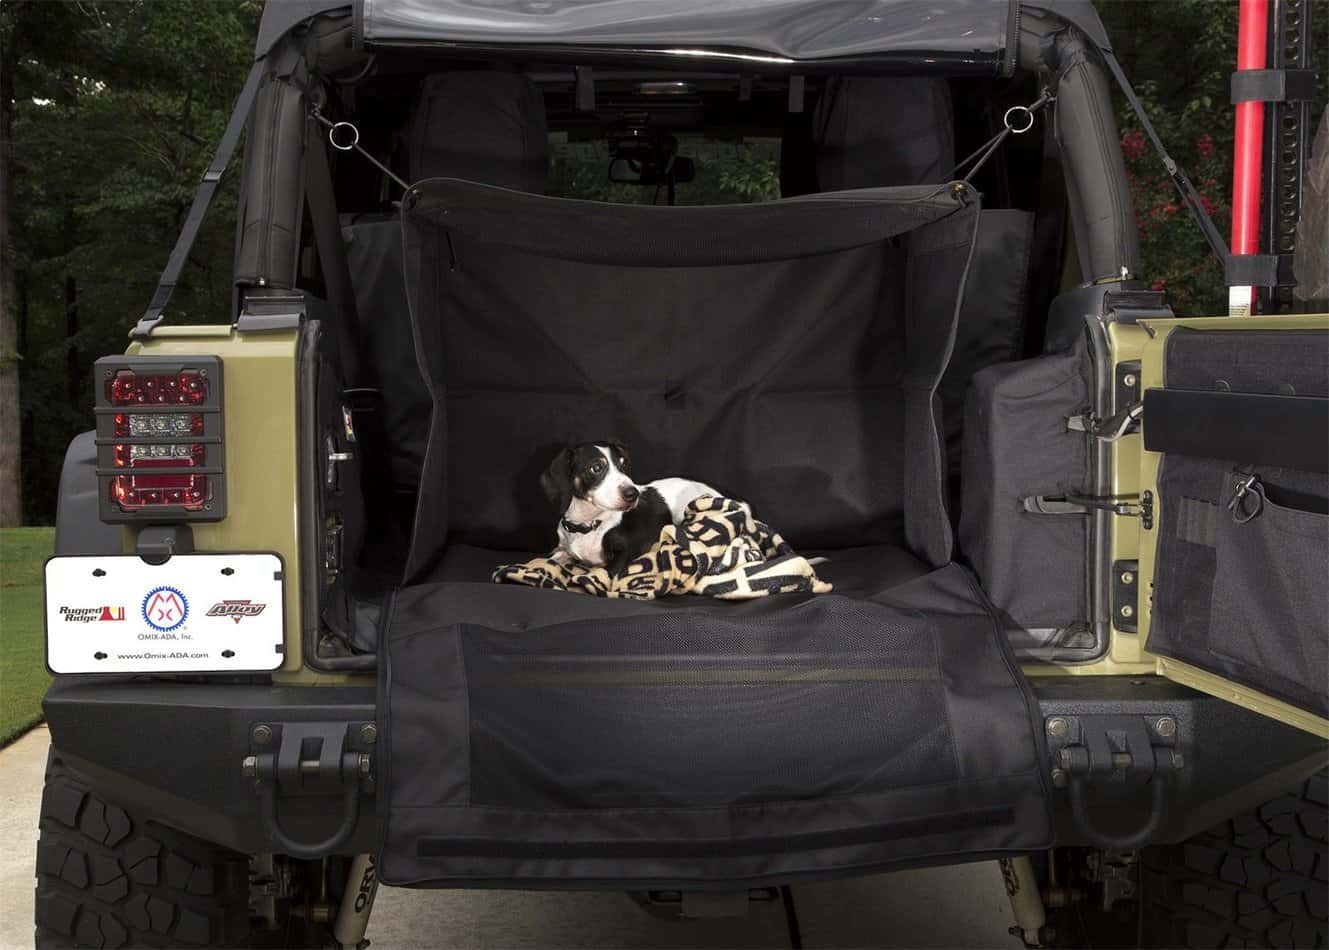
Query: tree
[[115, 109], [11, 512]]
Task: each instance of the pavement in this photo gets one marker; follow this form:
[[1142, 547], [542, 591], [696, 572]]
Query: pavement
[[962, 906]]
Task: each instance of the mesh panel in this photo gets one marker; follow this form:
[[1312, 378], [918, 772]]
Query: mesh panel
[[835, 698]]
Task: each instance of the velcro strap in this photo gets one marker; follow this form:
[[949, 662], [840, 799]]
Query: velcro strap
[[1273, 85], [1197, 521], [1259, 270]]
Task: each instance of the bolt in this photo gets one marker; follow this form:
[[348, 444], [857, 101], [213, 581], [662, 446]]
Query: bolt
[[1129, 379], [1059, 778], [1127, 611], [1178, 762], [1057, 727], [262, 734], [1064, 758], [1127, 578], [249, 767], [368, 733], [1166, 727], [364, 765]]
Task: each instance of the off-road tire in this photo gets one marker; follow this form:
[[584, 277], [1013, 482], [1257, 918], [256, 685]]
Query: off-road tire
[[1258, 880], [108, 878]]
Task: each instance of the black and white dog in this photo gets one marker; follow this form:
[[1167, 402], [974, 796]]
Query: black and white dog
[[607, 519]]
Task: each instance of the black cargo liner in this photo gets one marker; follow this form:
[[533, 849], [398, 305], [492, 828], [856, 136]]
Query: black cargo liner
[[790, 353]]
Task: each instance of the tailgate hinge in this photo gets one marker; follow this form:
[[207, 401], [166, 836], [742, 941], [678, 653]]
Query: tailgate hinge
[[310, 760]]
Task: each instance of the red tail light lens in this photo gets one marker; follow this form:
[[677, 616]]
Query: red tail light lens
[[129, 388], [160, 438]]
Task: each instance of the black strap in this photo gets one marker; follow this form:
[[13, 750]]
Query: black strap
[[1177, 173], [332, 254], [207, 190], [1273, 85]]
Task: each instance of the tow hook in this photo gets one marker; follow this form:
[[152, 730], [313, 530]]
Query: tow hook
[[302, 760], [1126, 752]]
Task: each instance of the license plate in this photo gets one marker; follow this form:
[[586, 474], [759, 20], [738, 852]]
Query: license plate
[[195, 613]]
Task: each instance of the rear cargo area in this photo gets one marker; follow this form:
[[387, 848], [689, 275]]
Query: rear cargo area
[[789, 353]]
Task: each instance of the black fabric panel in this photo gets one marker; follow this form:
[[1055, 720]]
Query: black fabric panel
[[373, 253], [777, 368], [481, 126], [1016, 444], [833, 733], [1291, 431], [1278, 362], [871, 131], [991, 327], [1246, 600]]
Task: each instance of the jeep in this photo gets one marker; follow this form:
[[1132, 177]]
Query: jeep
[[1078, 545]]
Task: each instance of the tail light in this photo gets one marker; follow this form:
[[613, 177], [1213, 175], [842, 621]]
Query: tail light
[[159, 439]]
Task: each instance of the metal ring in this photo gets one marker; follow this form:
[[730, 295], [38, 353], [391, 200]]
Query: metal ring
[[332, 136], [1243, 511], [1006, 119]]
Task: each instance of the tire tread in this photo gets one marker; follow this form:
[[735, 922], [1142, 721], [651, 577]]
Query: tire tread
[[106, 878], [1257, 880]]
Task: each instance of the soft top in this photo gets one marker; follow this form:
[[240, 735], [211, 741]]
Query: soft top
[[921, 35]]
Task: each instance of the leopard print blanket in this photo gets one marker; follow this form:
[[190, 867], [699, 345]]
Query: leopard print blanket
[[719, 550]]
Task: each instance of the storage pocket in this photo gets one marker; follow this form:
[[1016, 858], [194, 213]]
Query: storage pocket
[[1270, 606], [835, 698], [1017, 445]]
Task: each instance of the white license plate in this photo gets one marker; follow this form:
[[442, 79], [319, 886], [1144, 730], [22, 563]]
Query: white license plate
[[196, 613]]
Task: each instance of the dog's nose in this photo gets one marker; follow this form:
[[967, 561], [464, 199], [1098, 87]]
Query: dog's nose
[[629, 493]]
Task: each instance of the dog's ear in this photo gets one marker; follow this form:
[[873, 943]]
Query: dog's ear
[[621, 457], [557, 480]]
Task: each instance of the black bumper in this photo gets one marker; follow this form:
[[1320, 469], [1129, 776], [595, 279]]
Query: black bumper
[[174, 751]]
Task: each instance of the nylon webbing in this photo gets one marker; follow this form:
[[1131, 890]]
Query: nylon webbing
[[207, 190], [1175, 171], [322, 204]]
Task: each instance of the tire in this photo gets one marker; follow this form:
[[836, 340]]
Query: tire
[[1258, 880], [108, 878]]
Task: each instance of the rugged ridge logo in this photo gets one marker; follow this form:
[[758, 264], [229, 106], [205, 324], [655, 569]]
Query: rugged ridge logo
[[92, 614], [165, 608], [237, 610]]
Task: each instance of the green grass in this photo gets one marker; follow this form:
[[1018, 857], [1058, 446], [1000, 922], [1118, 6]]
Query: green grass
[[23, 677]]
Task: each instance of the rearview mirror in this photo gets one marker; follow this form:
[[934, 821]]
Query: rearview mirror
[[646, 171]]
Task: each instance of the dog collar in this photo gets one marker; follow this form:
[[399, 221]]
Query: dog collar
[[574, 528]]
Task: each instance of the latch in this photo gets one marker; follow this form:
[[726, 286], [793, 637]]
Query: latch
[[1073, 504], [1121, 752], [307, 760], [1111, 429]]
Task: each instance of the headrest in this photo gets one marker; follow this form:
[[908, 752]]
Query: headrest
[[487, 127], [876, 131]]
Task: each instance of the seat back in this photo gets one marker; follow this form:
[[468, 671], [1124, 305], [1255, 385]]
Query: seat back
[[487, 127]]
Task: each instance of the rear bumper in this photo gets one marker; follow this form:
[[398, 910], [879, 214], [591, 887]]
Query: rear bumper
[[175, 751]]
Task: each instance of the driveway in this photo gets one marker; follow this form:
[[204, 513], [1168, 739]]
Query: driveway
[[939, 907]]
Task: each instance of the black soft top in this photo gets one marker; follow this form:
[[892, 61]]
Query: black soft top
[[946, 35]]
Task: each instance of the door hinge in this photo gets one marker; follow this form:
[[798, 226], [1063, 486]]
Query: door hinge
[[1125, 595]]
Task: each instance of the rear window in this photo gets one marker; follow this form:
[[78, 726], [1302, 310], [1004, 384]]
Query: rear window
[[722, 171]]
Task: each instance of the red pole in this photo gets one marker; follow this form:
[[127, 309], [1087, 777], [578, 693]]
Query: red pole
[[1252, 44]]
